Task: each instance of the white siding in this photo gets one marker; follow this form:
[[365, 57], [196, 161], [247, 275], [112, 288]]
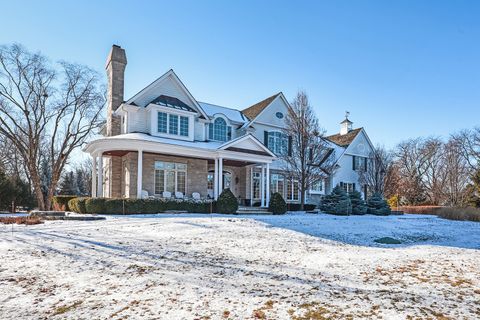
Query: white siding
[[137, 121]]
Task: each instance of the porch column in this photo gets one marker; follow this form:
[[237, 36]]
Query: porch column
[[100, 176], [220, 175], [262, 187], [94, 176], [267, 185], [139, 174], [251, 186], [215, 180]]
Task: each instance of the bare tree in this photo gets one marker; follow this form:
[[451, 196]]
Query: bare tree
[[434, 170], [468, 142], [310, 158], [457, 174], [379, 164], [410, 161], [46, 112]]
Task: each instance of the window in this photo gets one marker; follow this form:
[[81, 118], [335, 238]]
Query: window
[[210, 178], [292, 190], [359, 163], [279, 115], [256, 185], [347, 186], [318, 186], [218, 130], [170, 177], [184, 126], [173, 124], [277, 142], [277, 184], [162, 122]]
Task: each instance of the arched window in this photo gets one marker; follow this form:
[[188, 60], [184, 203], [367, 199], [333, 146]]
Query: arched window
[[219, 130]]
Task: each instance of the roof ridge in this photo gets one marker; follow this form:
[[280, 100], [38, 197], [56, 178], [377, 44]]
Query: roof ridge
[[217, 105]]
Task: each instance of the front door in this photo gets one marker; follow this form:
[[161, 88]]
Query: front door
[[227, 180]]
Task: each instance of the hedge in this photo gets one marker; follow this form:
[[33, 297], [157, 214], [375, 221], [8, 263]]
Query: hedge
[[139, 206], [297, 207], [60, 203], [78, 205]]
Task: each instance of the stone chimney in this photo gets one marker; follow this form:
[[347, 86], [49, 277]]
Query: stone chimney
[[346, 125], [116, 63]]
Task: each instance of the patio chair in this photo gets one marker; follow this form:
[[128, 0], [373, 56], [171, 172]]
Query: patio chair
[[166, 194], [179, 195], [196, 196]]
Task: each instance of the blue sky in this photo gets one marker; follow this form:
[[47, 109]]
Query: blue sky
[[402, 68]]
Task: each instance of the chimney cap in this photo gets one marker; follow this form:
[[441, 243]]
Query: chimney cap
[[116, 54]]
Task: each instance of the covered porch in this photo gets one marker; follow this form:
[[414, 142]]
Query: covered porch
[[157, 169]]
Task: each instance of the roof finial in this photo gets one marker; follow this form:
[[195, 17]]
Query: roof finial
[[347, 114]]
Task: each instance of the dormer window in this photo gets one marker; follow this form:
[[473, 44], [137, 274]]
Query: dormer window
[[172, 124], [219, 130]]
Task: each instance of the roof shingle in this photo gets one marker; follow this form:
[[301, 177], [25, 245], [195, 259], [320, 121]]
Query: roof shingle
[[344, 140], [253, 111]]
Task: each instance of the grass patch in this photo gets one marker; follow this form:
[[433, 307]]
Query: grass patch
[[21, 220], [66, 308]]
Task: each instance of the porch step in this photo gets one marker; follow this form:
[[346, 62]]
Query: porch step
[[252, 210]]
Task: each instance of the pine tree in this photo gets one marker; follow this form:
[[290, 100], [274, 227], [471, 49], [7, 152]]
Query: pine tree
[[68, 186], [359, 206], [338, 202], [378, 206]]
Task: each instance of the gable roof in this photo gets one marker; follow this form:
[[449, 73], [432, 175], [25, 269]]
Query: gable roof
[[150, 89], [253, 111], [344, 140]]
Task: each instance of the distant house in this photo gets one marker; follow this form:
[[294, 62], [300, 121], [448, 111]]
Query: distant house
[[163, 142]]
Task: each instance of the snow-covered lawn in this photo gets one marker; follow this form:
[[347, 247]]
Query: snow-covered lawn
[[219, 267]]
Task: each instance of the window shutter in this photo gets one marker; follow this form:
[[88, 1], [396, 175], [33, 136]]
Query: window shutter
[[353, 187], [310, 154], [353, 162], [366, 160], [289, 145], [265, 138], [210, 131], [229, 133]]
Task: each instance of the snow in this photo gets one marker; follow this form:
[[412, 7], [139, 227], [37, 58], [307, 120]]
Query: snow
[[210, 145], [232, 114], [239, 267]]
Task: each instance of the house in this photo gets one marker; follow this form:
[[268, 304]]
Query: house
[[162, 142]]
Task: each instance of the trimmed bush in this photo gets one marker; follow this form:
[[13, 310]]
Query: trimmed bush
[[378, 206], [78, 205], [139, 206], [296, 207], [338, 203], [60, 203], [277, 205], [95, 205], [359, 206], [227, 203]]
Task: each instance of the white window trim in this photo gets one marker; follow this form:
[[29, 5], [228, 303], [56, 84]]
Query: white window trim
[[165, 178], [228, 124], [281, 133], [313, 191], [154, 109]]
